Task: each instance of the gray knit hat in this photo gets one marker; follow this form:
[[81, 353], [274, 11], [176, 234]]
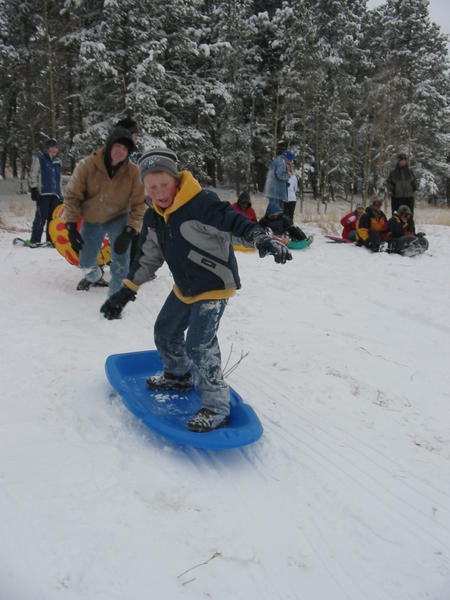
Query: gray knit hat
[[155, 161]]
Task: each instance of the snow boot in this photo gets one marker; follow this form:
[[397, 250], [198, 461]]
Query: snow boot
[[169, 381], [207, 420], [418, 245], [84, 284]]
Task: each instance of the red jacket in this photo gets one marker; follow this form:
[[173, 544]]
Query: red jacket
[[249, 212], [348, 222]]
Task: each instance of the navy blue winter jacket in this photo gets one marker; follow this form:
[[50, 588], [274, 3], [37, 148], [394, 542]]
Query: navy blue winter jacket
[[194, 236], [46, 175]]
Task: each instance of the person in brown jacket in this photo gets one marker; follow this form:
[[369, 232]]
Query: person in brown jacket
[[106, 191]]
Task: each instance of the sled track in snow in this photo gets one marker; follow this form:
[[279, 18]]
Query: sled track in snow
[[322, 447]]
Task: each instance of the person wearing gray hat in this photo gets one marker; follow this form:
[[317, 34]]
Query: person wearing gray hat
[[158, 161], [193, 231], [45, 187]]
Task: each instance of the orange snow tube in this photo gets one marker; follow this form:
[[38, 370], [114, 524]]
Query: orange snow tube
[[60, 238]]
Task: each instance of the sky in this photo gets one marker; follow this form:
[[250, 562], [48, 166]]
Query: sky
[[439, 13]]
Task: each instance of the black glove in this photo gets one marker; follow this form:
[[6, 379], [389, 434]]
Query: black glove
[[34, 194], [112, 308], [124, 240], [75, 239], [420, 234], [267, 245]]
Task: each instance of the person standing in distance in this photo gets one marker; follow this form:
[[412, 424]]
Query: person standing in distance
[[278, 175], [45, 185], [402, 185]]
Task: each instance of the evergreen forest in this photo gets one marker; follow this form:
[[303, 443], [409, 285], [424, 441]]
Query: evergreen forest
[[229, 84]]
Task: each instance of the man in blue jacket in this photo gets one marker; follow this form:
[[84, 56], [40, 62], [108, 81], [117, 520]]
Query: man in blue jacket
[[45, 186], [191, 230], [277, 180]]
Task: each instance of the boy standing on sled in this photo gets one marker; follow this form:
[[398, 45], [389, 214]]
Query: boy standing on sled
[[192, 230]]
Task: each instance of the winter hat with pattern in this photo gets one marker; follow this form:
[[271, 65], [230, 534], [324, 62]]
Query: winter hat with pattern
[[157, 161]]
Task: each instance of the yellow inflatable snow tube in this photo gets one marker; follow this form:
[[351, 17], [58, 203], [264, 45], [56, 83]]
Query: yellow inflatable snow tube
[[60, 238]]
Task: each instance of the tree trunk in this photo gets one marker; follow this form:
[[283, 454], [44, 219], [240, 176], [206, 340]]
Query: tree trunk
[[303, 158], [51, 89], [275, 124]]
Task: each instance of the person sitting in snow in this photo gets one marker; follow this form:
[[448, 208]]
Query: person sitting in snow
[[244, 206], [349, 221], [401, 234], [371, 226], [192, 230], [280, 224]]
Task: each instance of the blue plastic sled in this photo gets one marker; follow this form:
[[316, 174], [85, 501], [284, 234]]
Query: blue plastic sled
[[166, 413]]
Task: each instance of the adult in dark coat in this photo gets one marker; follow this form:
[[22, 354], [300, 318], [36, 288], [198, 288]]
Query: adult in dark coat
[[401, 185]]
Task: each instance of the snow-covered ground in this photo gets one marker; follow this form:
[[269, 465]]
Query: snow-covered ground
[[345, 497]]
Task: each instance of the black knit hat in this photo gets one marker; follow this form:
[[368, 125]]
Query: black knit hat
[[50, 143], [128, 123], [120, 135]]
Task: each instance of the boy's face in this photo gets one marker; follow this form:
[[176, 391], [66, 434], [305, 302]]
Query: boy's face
[[161, 188], [53, 151]]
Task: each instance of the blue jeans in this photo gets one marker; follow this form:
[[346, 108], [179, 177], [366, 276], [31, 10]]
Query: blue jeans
[[278, 202], [93, 235], [44, 211], [199, 352]]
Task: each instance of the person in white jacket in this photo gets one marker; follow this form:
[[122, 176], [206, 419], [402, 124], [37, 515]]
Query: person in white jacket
[[290, 204]]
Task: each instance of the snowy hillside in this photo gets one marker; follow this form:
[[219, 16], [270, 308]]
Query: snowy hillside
[[345, 497]]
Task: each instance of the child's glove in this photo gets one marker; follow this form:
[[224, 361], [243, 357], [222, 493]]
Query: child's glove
[[34, 194], [123, 240], [267, 245], [112, 308], [75, 239]]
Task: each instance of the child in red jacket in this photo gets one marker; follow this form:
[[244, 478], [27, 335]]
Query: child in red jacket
[[244, 206], [349, 221]]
